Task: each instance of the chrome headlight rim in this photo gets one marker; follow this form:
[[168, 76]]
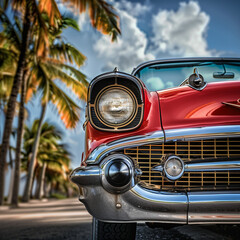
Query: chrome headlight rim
[[116, 125]]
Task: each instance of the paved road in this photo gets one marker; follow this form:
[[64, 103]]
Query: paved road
[[68, 219]]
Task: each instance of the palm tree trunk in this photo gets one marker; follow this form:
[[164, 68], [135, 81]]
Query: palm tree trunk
[[28, 186], [12, 100], [41, 182], [11, 177], [34, 180], [20, 132]]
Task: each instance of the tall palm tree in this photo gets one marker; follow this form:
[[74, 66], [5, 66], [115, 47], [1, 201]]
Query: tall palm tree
[[103, 18], [45, 70], [54, 67]]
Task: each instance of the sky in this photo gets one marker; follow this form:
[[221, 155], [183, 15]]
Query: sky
[[154, 30]]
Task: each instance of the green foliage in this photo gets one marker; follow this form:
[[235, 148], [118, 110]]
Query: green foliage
[[58, 196], [50, 149]]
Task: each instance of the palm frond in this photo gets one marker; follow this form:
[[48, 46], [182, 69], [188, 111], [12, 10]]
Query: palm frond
[[41, 38], [55, 72], [6, 82], [8, 62], [67, 53], [9, 33], [69, 22], [51, 8], [102, 15], [67, 108]]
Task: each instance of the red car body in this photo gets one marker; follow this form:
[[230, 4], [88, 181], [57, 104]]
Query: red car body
[[180, 107], [176, 159]]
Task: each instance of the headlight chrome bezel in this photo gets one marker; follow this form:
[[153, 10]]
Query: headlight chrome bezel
[[130, 84], [128, 120]]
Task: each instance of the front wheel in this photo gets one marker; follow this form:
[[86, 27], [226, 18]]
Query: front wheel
[[113, 231]]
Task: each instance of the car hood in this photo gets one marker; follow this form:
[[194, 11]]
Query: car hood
[[217, 104]]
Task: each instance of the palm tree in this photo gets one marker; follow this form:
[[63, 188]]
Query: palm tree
[[53, 67], [102, 18], [10, 39], [45, 70], [51, 155], [56, 159]]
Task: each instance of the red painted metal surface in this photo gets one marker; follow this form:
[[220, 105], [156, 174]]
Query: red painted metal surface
[[184, 107], [151, 122], [181, 107]]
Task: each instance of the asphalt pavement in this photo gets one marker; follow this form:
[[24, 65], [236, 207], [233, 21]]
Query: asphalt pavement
[[68, 219]]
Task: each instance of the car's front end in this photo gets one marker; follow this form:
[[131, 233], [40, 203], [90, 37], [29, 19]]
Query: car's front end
[[165, 148]]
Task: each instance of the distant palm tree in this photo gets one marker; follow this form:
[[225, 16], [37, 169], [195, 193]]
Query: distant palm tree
[[51, 154], [55, 160], [102, 17]]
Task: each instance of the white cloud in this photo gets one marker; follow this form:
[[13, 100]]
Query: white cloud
[[181, 33], [130, 48], [83, 20], [136, 9]]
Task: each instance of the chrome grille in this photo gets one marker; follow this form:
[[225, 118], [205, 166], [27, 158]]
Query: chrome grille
[[148, 156]]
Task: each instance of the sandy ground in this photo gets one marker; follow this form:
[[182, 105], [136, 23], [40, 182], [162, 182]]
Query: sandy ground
[[68, 219]]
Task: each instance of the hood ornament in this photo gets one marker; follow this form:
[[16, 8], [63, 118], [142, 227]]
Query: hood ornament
[[195, 81]]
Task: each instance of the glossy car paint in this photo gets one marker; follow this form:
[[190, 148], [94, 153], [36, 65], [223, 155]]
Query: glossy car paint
[[184, 107], [151, 122], [181, 107]]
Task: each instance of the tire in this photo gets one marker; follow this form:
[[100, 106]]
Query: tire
[[113, 231]]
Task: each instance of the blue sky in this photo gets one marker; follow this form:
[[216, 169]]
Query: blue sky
[[156, 29]]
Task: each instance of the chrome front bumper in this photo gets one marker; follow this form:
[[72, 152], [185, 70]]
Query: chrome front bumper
[[142, 205]]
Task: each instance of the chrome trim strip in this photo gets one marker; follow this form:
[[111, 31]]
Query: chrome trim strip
[[100, 152], [204, 167], [184, 134], [102, 76], [214, 207], [212, 166]]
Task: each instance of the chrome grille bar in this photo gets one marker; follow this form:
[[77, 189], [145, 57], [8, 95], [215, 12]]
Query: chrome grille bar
[[213, 166]]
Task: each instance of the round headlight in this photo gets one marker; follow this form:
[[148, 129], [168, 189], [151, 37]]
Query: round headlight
[[116, 106]]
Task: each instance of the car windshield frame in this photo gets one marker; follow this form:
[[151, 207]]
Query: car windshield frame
[[185, 63]]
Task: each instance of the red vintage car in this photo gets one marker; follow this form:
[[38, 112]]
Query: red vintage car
[[162, 146]]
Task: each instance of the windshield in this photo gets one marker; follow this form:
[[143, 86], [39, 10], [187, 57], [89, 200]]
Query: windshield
[[168, 75]]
